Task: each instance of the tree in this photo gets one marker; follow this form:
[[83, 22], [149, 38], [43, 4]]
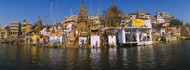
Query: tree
[[175, 22]]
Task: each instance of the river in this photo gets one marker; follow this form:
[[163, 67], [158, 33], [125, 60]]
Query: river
[[170, 56]]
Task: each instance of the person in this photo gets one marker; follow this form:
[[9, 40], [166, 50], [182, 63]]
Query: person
[[45, 42], [112, 32], [89, 39], [96, 44], [53, 41], [82, 42]]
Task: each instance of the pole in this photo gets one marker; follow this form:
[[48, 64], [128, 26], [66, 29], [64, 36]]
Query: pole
[[131, 37], [51, 10]]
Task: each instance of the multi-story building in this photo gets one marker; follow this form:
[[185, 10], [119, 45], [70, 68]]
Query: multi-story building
[[15, 29], [125, 20], [82, 19], [71, 19], [163, 17], [69, 22], [4, 32], [26, 27], [95, 20], [140, 15]]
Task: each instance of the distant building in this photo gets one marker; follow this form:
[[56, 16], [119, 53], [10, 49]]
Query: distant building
[[4, 27], [112, 17], [15, 29], [184, 30], [26, 27], [140, 15], [166, 24], [37, 27], [72, 19], [125, 20], [83, 16], [82, 19], [95, 20], [4, 32], [163, 17]]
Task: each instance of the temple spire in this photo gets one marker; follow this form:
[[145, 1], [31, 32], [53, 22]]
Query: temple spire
[[111, 4], [83, 16], [138, 10], [182, 23], [82, 1]]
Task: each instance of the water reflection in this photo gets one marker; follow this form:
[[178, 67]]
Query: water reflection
[[172, 55]]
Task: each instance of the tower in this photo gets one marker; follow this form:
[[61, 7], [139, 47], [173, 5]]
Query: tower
[[112, 16], [83, 16], [138, 12], [184, 31], [39, 21]]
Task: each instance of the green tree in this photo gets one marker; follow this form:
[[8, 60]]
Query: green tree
[[175, 22]]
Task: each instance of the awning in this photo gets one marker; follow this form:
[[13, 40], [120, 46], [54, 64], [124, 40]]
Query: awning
[[136, 23]]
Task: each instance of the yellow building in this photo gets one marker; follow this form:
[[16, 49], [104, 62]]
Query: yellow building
[[15, 29], [26, 27], [4, 32]]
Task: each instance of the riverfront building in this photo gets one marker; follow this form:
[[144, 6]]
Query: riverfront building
[[94, 20], [26, 27], [15, 29], [4, 32], [82, 19], [163, 17], [140, 15]]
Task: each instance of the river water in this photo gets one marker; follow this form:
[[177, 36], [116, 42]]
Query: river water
[[170, 55]]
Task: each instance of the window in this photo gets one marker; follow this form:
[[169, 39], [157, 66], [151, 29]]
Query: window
[[2, 32]]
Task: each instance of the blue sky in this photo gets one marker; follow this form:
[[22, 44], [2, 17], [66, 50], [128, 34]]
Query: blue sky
[[17, 10]]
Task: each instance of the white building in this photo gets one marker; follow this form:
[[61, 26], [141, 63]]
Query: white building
[[44, 32], [56, 36], [96, 19], [163, 17], [136, 33]]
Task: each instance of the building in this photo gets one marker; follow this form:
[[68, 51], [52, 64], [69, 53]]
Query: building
[[15, 29], [69, 22], [82, 19], [83, 16], [4, 32], [163, 17], [26, 27], [95, 20], [71, 19], [112, 17], [140, 15], [37, 27], [184, 30], [125, 20]]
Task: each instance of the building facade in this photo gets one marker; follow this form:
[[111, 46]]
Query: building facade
[[163, 17], [140, 15], [82, 19], [15, 29], [4, 32], [94, 20], [83, 16], [26, 27], [112, 17]]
